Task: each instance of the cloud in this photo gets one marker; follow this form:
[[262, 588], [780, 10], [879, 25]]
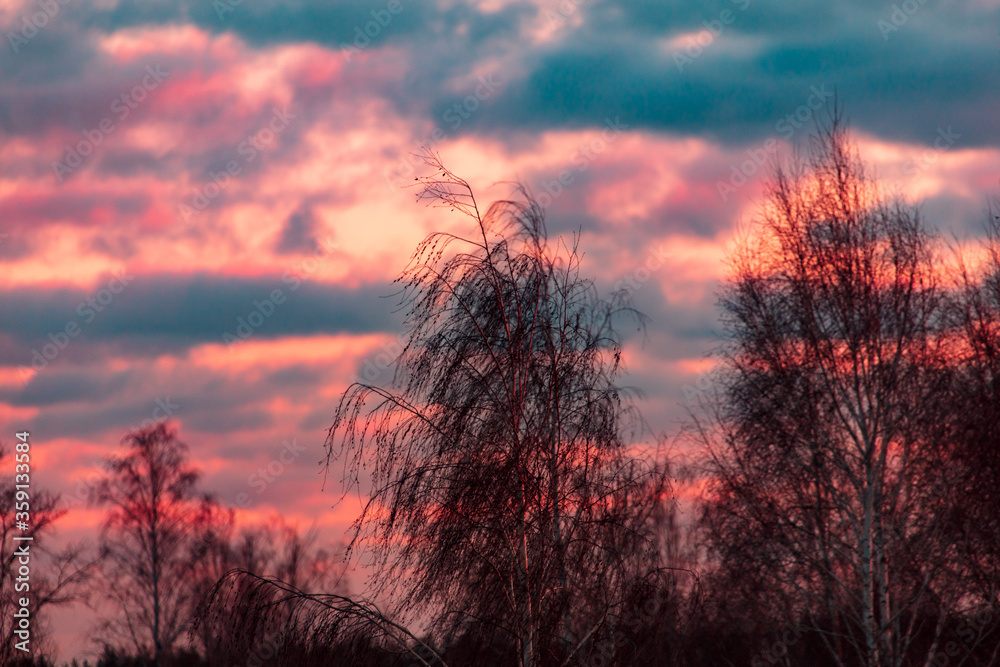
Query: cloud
[[299, 233], [158, 313]]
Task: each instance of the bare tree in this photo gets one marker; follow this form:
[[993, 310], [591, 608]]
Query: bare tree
[[274, 622], [55, 576], [154, 516], [972, 414], [501, 467], [822, 495], [508, 502]]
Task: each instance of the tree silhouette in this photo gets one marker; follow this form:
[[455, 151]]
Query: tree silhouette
[[971, 443], [824, 497], [57, 577], [154, 516], [507, 507], [277, 550], [504, 492]]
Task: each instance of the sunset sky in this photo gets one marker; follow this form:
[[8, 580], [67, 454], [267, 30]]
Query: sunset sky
[[204, 203]]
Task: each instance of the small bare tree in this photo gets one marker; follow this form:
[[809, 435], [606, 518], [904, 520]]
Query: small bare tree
[[154, 516], [57, 576]]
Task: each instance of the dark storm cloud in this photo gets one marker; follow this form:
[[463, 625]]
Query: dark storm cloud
[[49, 98], [66, 387], [333, 24], [742, 98], [940, 67], [260, 23], [84, 400], [166, 312], [85, 421], [71, 84], [900, 79], [229, 405], [294, 377], [129, 161], [773, 17], [58, 53], [232, 420]]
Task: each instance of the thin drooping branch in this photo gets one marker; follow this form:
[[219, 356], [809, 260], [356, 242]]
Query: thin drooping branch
[[261, 605]]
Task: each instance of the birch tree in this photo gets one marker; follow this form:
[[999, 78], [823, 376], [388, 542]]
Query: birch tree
[[504, 492], [510, 506], [824, 486], [154, 516]]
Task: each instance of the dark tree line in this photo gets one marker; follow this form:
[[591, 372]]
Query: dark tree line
[[163, 546]]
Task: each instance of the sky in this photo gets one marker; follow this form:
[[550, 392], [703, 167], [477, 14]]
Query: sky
[[204, 204]]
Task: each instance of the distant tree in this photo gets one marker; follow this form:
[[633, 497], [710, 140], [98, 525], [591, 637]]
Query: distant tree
[[825, 500], [111, 657], [972, 443], [508, 502], [56, 576], [154, 517], [277, 550]]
